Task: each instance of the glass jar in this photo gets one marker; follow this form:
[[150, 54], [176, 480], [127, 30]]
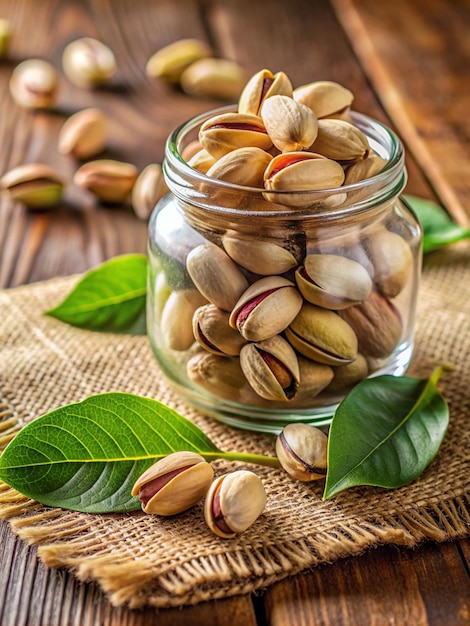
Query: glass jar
[[331, 275]]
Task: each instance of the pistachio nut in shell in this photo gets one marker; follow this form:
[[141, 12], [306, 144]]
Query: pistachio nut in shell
[[202, 161], [377, 324], [174, 483], [109, 180], [348, 375], [242, 166], [259, 256], [219, 375], [340, 140], [215, 275], [324, 97], [261, 86], [177, 316], [290, 125], [266, 308], [302, 451], [190, 149], [314, 378], [149, 187], [213, 332], [36, 185], [301, 172], [33, 84], [84, 134], [322, 335], [392, 259], [366, 168], [170, 61], [225, 132], [88, 62], [234, 502], [214, 78], [332, 281], [271, 368]]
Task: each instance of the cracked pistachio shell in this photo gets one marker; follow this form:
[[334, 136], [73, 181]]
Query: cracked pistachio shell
[[242, 166], [324, 97], [234, 502], [266, 308], [110, 181], [347, 375], [170, 61], [33, 84], [332, 281], [36, 185], [392, 259], [222, 133], [314, 378], [220, 375], [174, 483], [261, 86], [259, 256], [340, 140], [302, 172], [149, 187], [322, 335], [271, 368], [88, 62], [290, 125], [214, 78], [366, 168], [302, 451], [215, 275], [202, 161], [213, 332], [84, 134], [177, 316], [377, 324]]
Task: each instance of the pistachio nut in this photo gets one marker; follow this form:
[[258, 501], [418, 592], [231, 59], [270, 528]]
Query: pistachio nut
[[242, 166], [340, 140], [266, 308], [325, 98], [33, 84], [332, 281], [215, 275], [222, 133], [314, 378], [109, 180], [34, 184], [190, 149], [171, 61], [271, 368], [88, 62], [234, 502], [377, 324], [220, 375], [322, 335], [348, 375], [290, 125], [262, 257], [261, 86], [5, 32], [213, 332], [302, 451], [392, 259], [149, 187], [214, 78], [161, 293], [366, 168], [174, 483], [202, 161], [177, 316], [302, 172], [84, 134]]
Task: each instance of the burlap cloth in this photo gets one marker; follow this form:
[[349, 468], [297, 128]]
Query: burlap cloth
[[139, 559]]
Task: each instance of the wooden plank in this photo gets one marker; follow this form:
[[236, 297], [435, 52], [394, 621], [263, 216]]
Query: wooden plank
[[427, 587], [416, 55]]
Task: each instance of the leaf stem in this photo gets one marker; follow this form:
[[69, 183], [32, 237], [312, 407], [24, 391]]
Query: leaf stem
[[437, 373], [244, 457]]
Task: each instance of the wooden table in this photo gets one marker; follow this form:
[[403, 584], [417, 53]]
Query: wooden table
[[407, 63]]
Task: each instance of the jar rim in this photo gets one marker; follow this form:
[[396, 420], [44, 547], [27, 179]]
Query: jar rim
[[390, 181]]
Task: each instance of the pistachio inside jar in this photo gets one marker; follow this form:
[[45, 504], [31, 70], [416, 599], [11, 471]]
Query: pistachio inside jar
[[269, 301]]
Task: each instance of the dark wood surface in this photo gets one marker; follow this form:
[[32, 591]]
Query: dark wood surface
[[406, 63]]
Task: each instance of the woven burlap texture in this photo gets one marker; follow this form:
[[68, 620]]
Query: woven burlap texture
[[147, 560]]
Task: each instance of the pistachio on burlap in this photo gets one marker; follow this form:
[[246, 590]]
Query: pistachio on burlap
[[302, 451], [36, 185]]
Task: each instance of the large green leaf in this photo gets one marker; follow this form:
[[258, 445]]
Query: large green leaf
[[385, 432], [87, 456], [110, 297], [439, 229]]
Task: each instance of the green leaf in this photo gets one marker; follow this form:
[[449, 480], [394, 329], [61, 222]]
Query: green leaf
[[439, 229], [110, 297], [87, 456], [385, 432]]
